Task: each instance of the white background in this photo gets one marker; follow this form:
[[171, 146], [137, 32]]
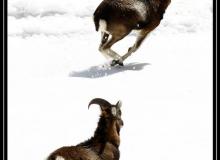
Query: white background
[[55, 69]]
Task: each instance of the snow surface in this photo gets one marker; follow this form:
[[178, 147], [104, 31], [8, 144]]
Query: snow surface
[[55, 69]]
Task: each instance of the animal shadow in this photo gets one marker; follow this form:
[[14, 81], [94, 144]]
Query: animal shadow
[[103, 70]]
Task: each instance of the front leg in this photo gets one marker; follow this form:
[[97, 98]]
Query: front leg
[[142, 35], [134, 48]]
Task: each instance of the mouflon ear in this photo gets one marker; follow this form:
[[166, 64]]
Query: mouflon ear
[[119, 104]]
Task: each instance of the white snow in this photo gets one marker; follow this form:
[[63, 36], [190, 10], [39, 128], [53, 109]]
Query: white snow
[[55, 69]]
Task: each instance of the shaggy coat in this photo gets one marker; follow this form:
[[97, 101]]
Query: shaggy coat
[[104, 145], [134, 14], [119, 17]]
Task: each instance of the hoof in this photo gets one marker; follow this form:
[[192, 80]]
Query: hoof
[[117, 62]]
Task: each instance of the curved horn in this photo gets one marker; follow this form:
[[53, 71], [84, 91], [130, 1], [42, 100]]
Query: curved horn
[[103, 103]]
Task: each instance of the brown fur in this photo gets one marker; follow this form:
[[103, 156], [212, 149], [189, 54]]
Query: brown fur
[[103, 145], [123, 16]]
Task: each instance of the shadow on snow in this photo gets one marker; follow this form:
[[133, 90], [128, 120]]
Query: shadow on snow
[[103, 70]]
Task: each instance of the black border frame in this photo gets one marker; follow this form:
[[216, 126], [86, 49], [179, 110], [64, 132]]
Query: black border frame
[[5, 80], [214, 79]]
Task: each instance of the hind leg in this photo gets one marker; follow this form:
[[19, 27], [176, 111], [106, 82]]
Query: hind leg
[[105, 47], [104, 37]]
